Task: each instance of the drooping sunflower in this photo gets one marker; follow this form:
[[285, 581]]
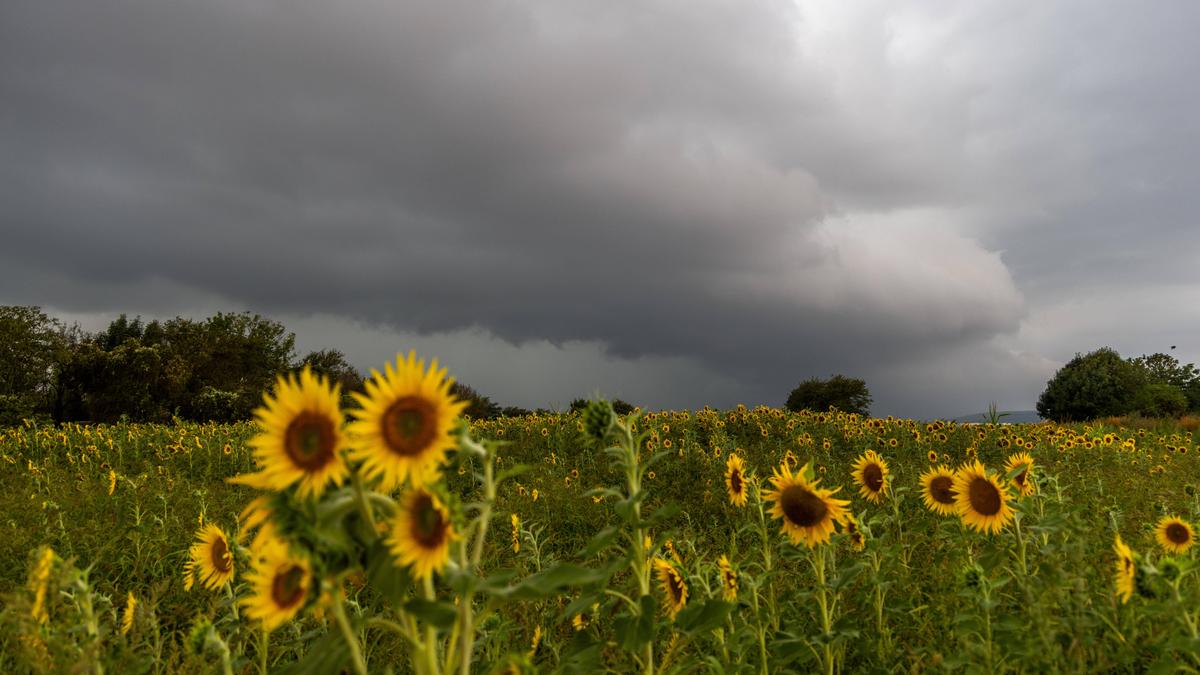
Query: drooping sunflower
[[981, 500], [402, 430], [870, 472], [421, 533], [673, 585], [1023, 481], [858, 541], [127, 616], [807, 511], [1126, 570], [1175, 535], [937, 490], [300, 438], [211, 558], [729, 579], [281, 583], [735, 480]]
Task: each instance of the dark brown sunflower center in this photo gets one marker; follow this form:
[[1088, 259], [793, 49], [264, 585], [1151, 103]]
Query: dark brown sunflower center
[[941, 488], [221, 559], [735, 481], [409, 426], [1127, 564], [427, 526], [1019, 479], [676, 586], [287, 588], [1178, 534], [873, 477], [309, 441], [985, 498], [802, 507]]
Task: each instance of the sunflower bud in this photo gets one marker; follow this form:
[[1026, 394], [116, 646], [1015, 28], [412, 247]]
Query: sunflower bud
[[598, 420]]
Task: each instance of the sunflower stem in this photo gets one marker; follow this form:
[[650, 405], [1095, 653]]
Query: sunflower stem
[[263, 641], [360, 498], [356, 657], [1020, 546], [818, 561], [431, 655]]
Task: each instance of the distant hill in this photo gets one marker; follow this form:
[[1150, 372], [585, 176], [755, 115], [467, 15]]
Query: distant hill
[[1010, 416]]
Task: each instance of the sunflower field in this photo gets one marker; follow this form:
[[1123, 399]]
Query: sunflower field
[[397, 536]]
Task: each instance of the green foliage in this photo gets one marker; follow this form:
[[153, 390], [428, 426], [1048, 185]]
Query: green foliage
[[1097, 384], [1164, 369], [847, 394], [1160, 400], [479, 406], [30, 345]]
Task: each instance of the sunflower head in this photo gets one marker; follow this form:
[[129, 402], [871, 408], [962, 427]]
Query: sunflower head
[[674, 587], [281, 583], [981, 500], [402, 430], [807, 511], [858, 540], [300, 438], [735, 480], [870, 473], [211, 558], [1020, 466], [937, 490], [1175, 535], [729, 579], [1126, 570], [421, 533]]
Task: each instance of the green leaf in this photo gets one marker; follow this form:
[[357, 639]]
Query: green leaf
[[633, 632], [698, 618], [512, 472], [551, 581], [441, 615], [330, 655], [387, 579]]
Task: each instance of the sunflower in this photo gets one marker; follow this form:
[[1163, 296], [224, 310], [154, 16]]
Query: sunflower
[[735, 480], [937, 490], [40, 582], [673, 585], [858, 541], [1126, 570], [421, 533], [1023, 481], [403, 427], [280, 584], [981, 500], [933, 456], [127, 616], [807, 511], [300, 438], [1174, 534], [729, 579], [870, 472], [211, 558], [516, 533]]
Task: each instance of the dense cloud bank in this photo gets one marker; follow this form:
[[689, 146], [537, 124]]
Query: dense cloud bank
[[713, 200]]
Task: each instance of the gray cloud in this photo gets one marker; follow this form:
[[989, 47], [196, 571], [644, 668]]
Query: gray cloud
[[743, 195]]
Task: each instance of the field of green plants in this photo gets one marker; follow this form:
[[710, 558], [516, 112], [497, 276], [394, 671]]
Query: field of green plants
[[747, 540]]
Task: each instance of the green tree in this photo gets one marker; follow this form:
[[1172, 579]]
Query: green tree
[[479, 406], [31, 345], [847, 394], [1097, 384], [1164, 369]]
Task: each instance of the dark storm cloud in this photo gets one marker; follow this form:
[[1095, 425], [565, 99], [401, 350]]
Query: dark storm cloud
[[762, 190]]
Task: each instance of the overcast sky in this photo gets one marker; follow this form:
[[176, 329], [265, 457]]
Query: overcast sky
[[678, 203]]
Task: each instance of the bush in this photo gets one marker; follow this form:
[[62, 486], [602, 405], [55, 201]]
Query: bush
[[1160, 400], [1098, 384], [843, 393]]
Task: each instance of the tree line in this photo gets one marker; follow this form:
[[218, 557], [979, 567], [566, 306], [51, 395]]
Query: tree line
[[213, 369], [1102, 384]]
